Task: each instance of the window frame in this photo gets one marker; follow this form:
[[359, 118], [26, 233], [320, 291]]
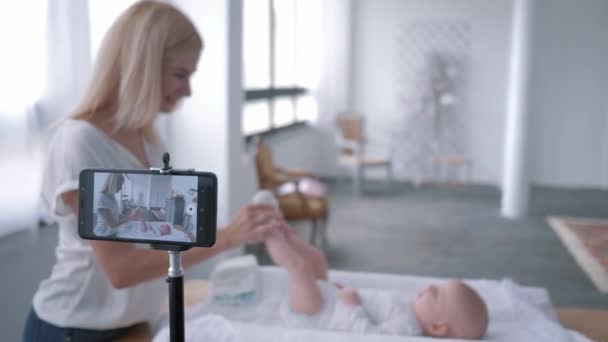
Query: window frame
[[271, 93]]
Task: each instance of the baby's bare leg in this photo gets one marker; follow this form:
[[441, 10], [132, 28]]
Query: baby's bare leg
[[280, 250], [304, 293], [315, 257]]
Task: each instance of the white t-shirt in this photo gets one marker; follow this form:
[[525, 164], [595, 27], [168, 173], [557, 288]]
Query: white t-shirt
[[105, 201], [78, 293]]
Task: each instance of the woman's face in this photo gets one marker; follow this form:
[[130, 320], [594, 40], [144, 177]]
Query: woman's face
[[177, 70]]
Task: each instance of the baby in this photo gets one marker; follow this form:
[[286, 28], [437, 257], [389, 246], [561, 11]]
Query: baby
[[165, 229], [452, 310]]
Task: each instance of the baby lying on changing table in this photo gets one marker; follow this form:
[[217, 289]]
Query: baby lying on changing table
[[450, 310], [163, 229]]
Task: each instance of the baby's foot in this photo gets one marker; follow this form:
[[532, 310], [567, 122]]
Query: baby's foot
[[350, 296], [280, 250]]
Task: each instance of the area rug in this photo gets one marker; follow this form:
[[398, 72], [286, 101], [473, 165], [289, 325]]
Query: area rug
[[587, 240]]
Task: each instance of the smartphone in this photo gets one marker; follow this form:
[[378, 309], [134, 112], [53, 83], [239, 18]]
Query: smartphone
[[145, 206]]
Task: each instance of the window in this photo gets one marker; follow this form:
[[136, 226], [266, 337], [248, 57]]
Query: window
[[280, 55], [102, 14], [22, 62]]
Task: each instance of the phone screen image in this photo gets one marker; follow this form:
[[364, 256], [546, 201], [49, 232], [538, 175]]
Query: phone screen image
[[144, 207]]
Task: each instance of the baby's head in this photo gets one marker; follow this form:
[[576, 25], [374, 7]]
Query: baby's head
[[453, 310], [164, 229]]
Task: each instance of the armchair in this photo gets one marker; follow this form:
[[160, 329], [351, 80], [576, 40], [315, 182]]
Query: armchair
[[300, 195]]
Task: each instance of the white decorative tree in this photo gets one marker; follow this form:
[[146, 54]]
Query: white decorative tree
[[432, 95]]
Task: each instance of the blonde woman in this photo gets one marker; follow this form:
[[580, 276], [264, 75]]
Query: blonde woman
[[108, 211], [97, 289]]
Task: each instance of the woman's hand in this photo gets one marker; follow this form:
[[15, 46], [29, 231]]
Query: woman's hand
[[287, 229], [254, 223]]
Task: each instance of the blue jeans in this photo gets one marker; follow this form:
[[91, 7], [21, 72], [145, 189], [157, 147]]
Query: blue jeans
[[38, 330]]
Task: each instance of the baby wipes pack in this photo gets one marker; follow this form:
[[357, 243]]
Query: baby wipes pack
[[236, 281]]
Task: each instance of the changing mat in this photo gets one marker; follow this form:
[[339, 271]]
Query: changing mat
[[517, 313]]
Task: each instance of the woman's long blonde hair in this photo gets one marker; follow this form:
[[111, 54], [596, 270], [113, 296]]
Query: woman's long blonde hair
[[127, 75]]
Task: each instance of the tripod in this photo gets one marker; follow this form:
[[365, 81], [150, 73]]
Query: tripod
[[175, 277]]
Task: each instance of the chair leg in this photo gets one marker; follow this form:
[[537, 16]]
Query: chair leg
[[357, 179], [324, 240], [389, 175], [313, 233]]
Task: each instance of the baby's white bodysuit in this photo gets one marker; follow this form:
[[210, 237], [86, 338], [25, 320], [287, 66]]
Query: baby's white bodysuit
[[381, 312]]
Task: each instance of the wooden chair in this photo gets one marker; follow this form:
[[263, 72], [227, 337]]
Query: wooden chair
[[443, 164], [295, 204], [350, 137]]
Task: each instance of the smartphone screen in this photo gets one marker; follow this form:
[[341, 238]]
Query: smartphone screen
[[148, 207]]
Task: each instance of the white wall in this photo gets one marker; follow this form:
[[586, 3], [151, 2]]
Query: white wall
[[22, 139], [69, 60], [313, 147], [334, 89], [569, 81], [569, 88], [241, 167], [376, 26], [205, 132], [568, 76]]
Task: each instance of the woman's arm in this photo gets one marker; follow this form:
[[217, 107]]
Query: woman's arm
[[127, 266], [109, 219]]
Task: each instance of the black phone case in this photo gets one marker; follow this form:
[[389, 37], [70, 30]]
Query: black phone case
[[206, 225]]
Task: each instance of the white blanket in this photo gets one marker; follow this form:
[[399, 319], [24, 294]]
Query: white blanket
[[516, 313], [133, 230]]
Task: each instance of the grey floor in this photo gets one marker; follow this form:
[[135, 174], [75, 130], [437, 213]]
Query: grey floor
[[447, 231], [458, 232]]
